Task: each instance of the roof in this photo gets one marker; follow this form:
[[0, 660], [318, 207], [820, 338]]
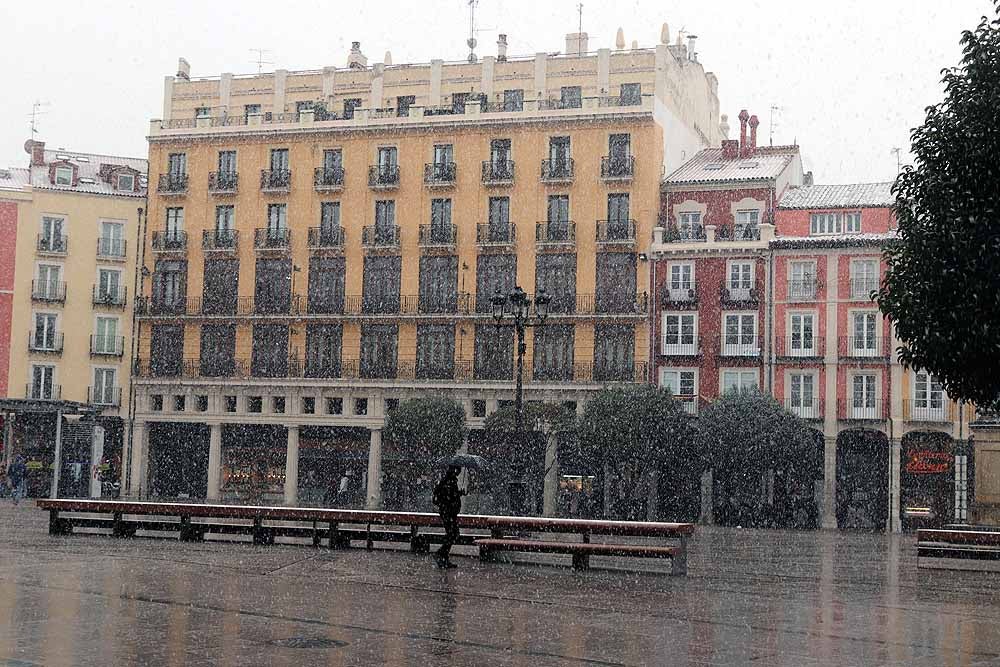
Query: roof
[[838, 241], [89, 172], [13, 179], [855, 195], [708, 166]]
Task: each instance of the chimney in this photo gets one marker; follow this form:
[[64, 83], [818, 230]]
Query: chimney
[[183, 69], [730, 149], [744, 117], [691, 54], [724, 126], [665, 34], [36, 149], [620, 40], [576, 42], [753, 135], [387, 59], [356, 59], [502, 48]]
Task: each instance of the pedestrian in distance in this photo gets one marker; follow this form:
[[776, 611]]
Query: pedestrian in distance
[[448, 500], [17, 475]]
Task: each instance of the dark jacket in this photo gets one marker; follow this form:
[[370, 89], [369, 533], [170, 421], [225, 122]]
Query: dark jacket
[[17, 472], [448, 497]]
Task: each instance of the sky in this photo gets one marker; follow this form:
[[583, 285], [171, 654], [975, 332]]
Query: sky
[[849, 78]]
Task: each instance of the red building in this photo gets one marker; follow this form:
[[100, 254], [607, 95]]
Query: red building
[[12, 182]]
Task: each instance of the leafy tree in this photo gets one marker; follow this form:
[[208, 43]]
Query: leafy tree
[[633, 431], [942, 288], [423, 430]]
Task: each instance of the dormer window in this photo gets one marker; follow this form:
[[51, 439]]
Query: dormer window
[[64, 175], [126, 182]]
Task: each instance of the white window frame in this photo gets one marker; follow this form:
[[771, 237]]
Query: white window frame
[[830, 223], [31, 379], [105, 395], [802, 281], [803, 402], [741, 346], [864, 280], [863, 404], [51, 333], [682, 344], [111, 244], [742, 380], [686, 220], [131, 185], [680, 280], [64, 174], [51, 286], [743, 219], [689, 401], [797, 320], [105, 343], [868, 344], [739, 290], [929, 400]]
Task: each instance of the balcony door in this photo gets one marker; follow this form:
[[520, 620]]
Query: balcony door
[[801, 395], [52, 234], [802, 341], [106, 335], [802, 280], [279, 160], [928, 397], [277, 223], [864, 399], [681, 282], [441, 221], [863, 341], [499, 154], [177, 166], [558, 218], [175, 227], [42, 381], [49, 276], [618, 216], [104, 386], [499, 227], [113, 239], [387, 160], [385, 222], [740, 337], [680, 334], [559, 151], [740, 280], [44, 337]]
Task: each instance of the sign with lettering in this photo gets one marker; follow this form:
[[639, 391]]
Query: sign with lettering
[[928, 463]]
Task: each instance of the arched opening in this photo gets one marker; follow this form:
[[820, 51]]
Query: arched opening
[[178, 460], [798, 487], [926, 479], [862, 480]]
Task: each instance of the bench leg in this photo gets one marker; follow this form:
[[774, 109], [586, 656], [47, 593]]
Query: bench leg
[[315, 535], [419, 544], [122, 528], [487, 555], [262, 535], [336, 540], [581, 561], [191, 532], [59, 526], [679, 563], [369, 543]]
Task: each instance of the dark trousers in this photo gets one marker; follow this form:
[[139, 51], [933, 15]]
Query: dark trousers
[[450, 535]]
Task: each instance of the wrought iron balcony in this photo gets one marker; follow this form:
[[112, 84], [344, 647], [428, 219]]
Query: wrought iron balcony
[[499, 172], [106, 396], [380, 236], [275, 180], [50, 291], [107, 346], [171, 240], [49, 342], [110, 248], [557, 171], [383, 176], [679, 295], [437, 235], [689, 403], [877, 348], [496, 234], [930, 409], [615, 232], [614, 372], [269, 238], [328, 179], [862, 288], [806, 289], [563, 231], [110, 296], [617, 168], [40, 392], [692, 232], [440, 173], [326, 237], [861, 408], [803, 348], [223, 182], [739, 297], [220, 240], [804, 408], [52, 244], [680, 345], [741, 232], [172, 184], [739, 346]]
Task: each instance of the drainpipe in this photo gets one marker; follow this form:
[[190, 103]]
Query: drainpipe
[[651, 373], [140, 255]]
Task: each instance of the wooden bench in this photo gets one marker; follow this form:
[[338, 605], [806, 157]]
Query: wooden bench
[[959, 548], [582, 551]]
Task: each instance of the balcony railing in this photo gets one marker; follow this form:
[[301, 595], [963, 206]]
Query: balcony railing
[[438, 235], [679, 294], [440, 173], [615, 231], [107, 396], [861, 409], [380, 236], [52, 244], [741, 296], [172, 184], [739, 347], [739, 232], [50, 291], [935, 408], [689, 403], [107, 346], [220, 240], [499, 172], [383, 176], [114, 297], [50, 342], [563, 231], [557, 171], [616, 168], [680, 345], [799, 347], [275, 180], [693, 232], [171, 240], [269, 238], [326, 237], [223, 182], [877, 348], [803, 290], [805, 409], [328, 179], [110, 248], [862, 288], [496, 234], [603, 372], [37, 392]]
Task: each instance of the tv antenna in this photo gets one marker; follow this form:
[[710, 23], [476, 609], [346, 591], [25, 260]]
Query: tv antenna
[[579, 27], [260, 59], [896, 150], [473, 31], [36, 111], [770, 140]]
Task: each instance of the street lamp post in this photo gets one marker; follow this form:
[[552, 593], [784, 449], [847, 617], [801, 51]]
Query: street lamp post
[[518, 305]]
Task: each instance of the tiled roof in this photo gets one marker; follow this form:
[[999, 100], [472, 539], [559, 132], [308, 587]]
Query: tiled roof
[[708, 166], [88, 172], [856, 195], [839, 241], [13, 179]]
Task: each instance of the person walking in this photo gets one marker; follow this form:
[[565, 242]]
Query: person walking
[[17, 474], [448, 500]]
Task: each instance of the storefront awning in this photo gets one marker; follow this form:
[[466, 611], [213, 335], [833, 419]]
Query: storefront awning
[[37, 406]]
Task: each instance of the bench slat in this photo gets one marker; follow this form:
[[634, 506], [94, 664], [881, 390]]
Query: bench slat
[[590, 548]]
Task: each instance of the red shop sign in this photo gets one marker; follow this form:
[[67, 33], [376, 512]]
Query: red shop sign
[[928, 463]]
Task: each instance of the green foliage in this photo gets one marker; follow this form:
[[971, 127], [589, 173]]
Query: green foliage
[[942, 288], [513, 455], [426, 429]]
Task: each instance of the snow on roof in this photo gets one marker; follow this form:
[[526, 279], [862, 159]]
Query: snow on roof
[[855, 195], [13, 178], [836, 241], [88, 167], [708, 166]]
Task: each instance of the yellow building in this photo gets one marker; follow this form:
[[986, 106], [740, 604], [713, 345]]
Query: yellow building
[[322, 244], [71, 321]]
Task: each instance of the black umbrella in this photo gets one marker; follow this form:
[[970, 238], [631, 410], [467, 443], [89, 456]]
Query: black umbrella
[[470, 461]]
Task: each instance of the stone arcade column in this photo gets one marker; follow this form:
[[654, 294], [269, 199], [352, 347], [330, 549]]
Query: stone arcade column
[[828, 517], [140, 452], [214, 462], [895, 522], [550, 490], [374, 501], [292, 466]]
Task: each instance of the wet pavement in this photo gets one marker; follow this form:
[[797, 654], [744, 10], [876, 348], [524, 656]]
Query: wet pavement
[[751, 597]]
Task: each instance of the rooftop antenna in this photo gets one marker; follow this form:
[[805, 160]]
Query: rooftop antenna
[[472, 30], [770, 140], [36, 111], [896, 150], [260, 59], [579, 28]]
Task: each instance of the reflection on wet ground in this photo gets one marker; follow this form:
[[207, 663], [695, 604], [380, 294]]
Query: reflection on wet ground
[[758, 597]]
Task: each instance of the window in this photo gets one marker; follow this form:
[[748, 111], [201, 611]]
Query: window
[[443, 154], [683, 384], [689, 226], [169, 286], [835, 223], [494, 352], [202, 112], [441, 230], [478, 408], [615, 286], [513, 100], [326, 284], [220, 295], [333, 160], [557, 220], [388, 159], [802, 281], [249, 110], [559, 155], [255, 404], [381, 284], [499, 230], [104, 391], [109, 286], [553, 352], [378, 350], [269, 357], [49, 285], [126, 182], [350, 105], [225, 220], [323, 345], [740, 337], [360, 406], [42, 382], [499, 155], [305, 105], [438, 284], [156, 402], [863, 342], [802, 342], [174, 228], [112, 241], [619, 162], [740, 281], [614, 353], [385, 223], [403, 104], [166, 350], [106, 336], [334, 406], [230, 402], [928, 397], [864, 278], [619, 224], [218, 350], [680, 282], [735, 381], [458, 101], [278, 405], [277, 223], [64, 176], [177, 166], [570, 97], [45, 336], [329, 223], [864, 400], [746, 225], [680, 334], [556, 274], [273, 288], [435, 352], [308, 405], [51, 238], [802, 395], [631, 94], [227, 162], [494, 272], [201, 403]]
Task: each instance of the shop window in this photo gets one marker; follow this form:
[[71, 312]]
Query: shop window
[[156, 403], [334, 406], [308, 405], [230, 404], [479, 408], [180, 402], [360, 406], [201, 403], [255, 404], [278, 405]]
